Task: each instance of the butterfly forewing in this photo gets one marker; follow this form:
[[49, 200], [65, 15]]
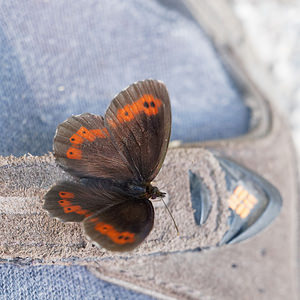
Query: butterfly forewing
[[139, 119], [83, 146], [121, 227]]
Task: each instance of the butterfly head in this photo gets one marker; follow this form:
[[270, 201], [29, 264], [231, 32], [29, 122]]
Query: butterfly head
[[154, 192]]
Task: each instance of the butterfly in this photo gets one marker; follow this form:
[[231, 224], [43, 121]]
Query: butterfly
[[114, 158]]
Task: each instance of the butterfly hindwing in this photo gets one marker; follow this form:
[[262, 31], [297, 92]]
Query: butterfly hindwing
[[139, 119], [73, 202], [83, 146], [121, 227], [111, 219]]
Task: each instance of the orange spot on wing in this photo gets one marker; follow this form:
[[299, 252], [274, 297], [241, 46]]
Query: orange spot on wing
[[85, 133], [125, 114], [112, 124], [73, 153], [68, 207], [128, 236], [116, 236], [66, 195], [72, 208], [93, 220], [76, 139], [100, 133], [82, 212], [105, 131], [122, 237], [103, 228], [147, 104], [135, 108], [64, 203]]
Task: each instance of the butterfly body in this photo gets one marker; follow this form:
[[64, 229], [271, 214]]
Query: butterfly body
[[132, 189], [115, 158], [143, 190]]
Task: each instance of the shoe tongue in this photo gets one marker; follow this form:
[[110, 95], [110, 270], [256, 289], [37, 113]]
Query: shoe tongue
[[214, 201], [25, 224]]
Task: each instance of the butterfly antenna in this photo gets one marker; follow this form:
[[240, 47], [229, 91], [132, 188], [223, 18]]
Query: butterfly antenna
[[162, 199]]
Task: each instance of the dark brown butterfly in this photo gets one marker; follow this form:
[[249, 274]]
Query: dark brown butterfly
[[116, 158]]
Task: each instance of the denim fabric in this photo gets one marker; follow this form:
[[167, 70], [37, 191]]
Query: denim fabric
[[57, 282], [59, 58]]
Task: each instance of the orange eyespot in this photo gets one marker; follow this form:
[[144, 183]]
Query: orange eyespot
[[103, 228], [64, 203], [116, 236], [85, 133], [147, 104], [74, 153], [68, 208], [76, 139], [125, 114], [72, 208], [66, 195], [123, 237]]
